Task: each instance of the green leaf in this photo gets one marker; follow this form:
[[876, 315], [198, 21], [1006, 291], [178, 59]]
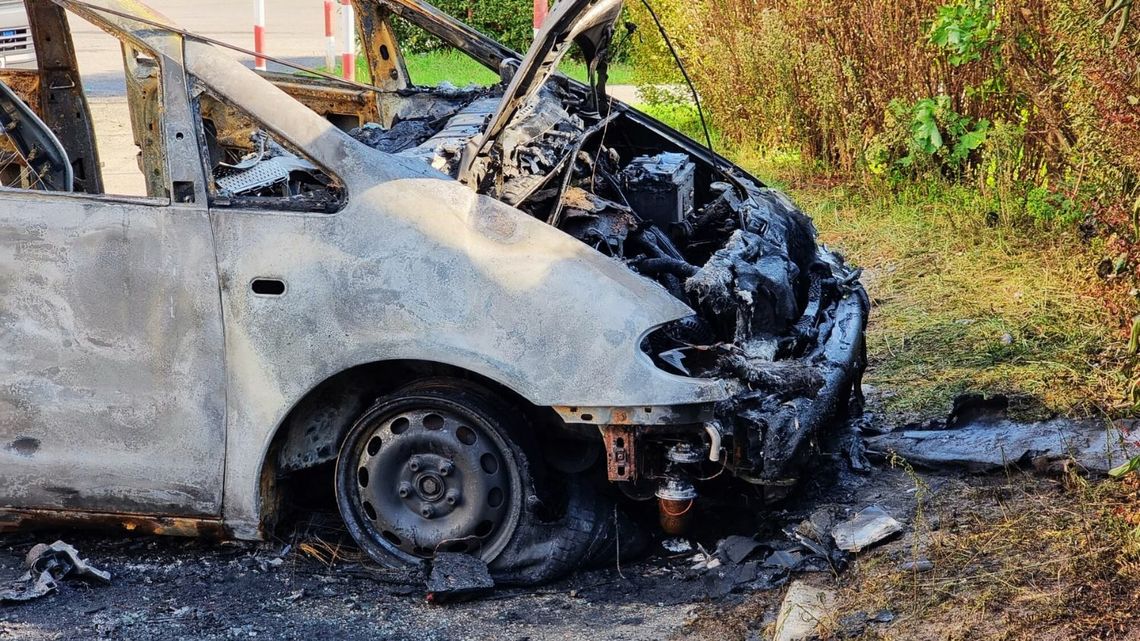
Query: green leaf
[[1127, 468]]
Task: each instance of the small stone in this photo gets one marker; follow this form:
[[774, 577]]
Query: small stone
[[852, 625], [919, 565], [883, 616], [1006, 339], [677, 546]]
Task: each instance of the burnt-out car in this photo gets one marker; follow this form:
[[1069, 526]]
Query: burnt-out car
[[459, 311]]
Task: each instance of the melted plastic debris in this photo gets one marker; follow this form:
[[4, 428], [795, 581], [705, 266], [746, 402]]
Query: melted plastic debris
[[48, 565]]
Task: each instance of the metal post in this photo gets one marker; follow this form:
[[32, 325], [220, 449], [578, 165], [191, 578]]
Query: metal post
[[348, 54], [259, 34], [330, 35], [540, 10]]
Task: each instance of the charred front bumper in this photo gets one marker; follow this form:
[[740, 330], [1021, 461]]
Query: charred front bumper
[[791, 377]]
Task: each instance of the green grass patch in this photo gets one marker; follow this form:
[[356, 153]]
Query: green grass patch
[[434, 68], [431, 69], [684, 118]]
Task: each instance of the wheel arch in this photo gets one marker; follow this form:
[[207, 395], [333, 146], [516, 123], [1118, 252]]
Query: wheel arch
[[312, 432]]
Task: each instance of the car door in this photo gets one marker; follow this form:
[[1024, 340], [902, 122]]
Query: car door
[[111, 344]]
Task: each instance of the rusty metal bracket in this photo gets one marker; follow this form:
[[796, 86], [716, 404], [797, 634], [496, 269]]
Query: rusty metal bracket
[[621, 451]]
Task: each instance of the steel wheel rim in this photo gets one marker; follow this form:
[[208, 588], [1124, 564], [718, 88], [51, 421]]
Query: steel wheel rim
[[428, 477]]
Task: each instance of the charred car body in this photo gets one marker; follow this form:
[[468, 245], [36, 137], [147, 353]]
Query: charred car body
[[467, 304]]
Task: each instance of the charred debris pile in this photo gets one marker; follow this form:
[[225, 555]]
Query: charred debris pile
[[738, 253]]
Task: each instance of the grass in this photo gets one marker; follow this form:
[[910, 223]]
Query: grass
[[437, 67], [962, 306], [1017, 558]]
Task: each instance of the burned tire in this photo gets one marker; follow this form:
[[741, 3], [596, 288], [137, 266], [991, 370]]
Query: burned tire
[[434, 467]]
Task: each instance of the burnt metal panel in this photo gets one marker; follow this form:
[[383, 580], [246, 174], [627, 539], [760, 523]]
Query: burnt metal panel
[[381, 48], [336, 103], [112, 378]]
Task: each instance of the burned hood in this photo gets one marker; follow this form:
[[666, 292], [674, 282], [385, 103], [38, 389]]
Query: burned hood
[[587, 23]]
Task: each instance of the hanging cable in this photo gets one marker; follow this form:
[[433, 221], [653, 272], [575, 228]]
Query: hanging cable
[[684, 73]]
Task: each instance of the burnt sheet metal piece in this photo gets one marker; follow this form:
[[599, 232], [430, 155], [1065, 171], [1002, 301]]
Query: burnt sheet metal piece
[[47, 566], [993, 444], [870, 526]]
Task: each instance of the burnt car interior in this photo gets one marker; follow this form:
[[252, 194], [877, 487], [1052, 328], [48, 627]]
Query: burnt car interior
[[251, 169], [247, 166]]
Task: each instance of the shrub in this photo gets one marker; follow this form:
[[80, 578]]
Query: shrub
[[511, 22], [1013, 95], [924, 138]]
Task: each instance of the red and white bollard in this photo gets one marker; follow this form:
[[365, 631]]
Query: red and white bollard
[[540, 10], [259, 34], [348, 54], [330, 34]]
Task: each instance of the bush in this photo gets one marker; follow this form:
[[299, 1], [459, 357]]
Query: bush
[[1032, 100], [511, 22], [925, 138]]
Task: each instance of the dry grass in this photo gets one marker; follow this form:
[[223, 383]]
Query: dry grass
[[963, 306], [1019, 560]]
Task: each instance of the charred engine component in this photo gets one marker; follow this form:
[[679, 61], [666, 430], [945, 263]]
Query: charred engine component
[[442, 147], [401, 136], [755, 285], [602, 224], [676, 494], [660, 188], [675, 499], [686, 454]]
